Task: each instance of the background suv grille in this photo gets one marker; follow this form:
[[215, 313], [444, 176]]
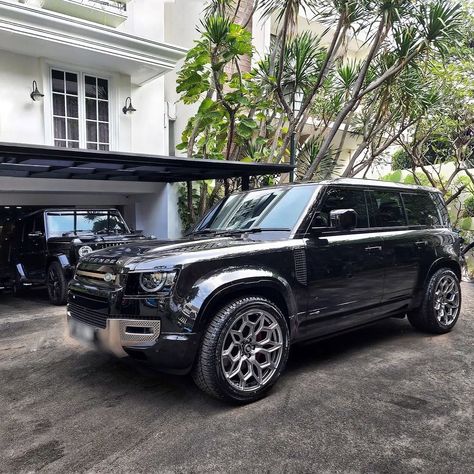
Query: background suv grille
[[106, 245]]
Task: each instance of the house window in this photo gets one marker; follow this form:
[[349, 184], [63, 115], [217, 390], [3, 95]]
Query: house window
[[80, 110]]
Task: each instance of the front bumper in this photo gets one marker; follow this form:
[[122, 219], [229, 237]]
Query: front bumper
[[139, 339]]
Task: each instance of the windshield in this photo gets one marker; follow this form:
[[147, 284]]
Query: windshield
[[265, 209], [96, 222]]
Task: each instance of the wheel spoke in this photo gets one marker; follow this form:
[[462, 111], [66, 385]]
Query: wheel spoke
[[235, 370], [268, 350], [257, 372]]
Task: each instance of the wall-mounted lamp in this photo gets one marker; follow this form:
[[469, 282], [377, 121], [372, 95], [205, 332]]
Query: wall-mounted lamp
[[128, 108], [36, 94]]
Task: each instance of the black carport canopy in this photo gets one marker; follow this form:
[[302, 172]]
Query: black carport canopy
[[33, 161]]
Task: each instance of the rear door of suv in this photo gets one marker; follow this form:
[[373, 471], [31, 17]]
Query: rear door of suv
[[407, 221]]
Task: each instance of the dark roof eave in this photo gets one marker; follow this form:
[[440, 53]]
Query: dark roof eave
[[53, 162]]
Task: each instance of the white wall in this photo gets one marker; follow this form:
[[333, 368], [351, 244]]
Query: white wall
[[21, 119], [145, 19], [182, 21], [158, 214], [148, 206], [147, 123]]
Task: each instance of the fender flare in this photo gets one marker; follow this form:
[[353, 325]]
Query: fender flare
[[214, 286], [423, 280], [64, 261], [441, 262]]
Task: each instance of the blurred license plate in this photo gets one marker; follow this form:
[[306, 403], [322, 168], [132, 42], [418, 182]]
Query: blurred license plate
[[82, 331]]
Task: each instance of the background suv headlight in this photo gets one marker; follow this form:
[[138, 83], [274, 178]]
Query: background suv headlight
[[84, 250], [156, 281]]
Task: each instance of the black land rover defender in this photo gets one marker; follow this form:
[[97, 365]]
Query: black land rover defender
[[43, 247], [268, 268]]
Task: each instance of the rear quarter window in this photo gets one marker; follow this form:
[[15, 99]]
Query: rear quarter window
[[421, 209], [442, 209]]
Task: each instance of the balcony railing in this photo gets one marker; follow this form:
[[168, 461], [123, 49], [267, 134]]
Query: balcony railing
[[112, 6], [105, 12]]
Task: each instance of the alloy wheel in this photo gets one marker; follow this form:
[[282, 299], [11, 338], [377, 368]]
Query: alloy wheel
[[447, 300], [252, 350], [54, 284]]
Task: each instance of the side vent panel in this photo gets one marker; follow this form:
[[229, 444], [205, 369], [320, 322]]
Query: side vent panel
[[301, 269]]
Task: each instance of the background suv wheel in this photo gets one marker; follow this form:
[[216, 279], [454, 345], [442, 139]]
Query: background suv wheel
[[441, 305], [243, 351], [56, 283]]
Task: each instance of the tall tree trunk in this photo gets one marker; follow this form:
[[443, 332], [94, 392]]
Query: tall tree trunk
[[380, 35]]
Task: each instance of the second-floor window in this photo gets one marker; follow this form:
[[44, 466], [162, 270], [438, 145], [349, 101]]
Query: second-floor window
[[80, 110]]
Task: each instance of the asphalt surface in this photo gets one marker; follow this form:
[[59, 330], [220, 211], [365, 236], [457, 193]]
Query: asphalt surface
[[382, 399]]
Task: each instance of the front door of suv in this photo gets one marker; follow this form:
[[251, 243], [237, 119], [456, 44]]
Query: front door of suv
[[32, 249], [345, 268]]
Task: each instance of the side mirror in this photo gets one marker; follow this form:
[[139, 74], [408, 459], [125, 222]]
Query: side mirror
[[35, 235], [343, 219]]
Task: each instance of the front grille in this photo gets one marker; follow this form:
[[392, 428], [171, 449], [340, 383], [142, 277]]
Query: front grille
[[88, 316], [88, 301], [99, 274]]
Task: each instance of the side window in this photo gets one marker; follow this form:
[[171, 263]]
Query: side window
[[388, 209], [420, 209], [340, 198], [39, 223], [442, 209]]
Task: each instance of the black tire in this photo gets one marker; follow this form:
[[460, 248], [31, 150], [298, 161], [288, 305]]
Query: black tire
[[208, 372], [56, 284], [17, 289], [426, 318]]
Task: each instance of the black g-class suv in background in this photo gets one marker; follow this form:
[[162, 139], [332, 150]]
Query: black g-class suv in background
[[44, 246], [268, 268]]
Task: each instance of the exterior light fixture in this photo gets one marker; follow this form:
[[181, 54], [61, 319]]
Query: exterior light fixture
[[128, 108], [36, 94]]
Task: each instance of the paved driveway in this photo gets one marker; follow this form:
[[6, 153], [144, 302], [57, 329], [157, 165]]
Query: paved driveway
[[382, 399]]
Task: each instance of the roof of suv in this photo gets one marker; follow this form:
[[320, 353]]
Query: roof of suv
[[367, 183], [379, 184], [65, 209]]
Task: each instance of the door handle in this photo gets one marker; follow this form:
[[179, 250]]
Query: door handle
[[421, 243], [376, 248]]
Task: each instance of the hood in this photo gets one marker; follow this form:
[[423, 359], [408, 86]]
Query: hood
[[149, 254]]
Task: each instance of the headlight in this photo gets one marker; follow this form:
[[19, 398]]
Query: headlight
[[84, 250], [153, 282]]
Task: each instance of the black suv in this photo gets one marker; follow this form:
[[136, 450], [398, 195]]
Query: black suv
[[45, 246], [268, 268]]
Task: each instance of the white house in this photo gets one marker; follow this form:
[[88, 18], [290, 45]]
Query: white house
[[69, 72]]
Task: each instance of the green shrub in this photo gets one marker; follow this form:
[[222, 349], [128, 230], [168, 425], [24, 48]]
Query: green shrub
[[469, 207], [400, 160]]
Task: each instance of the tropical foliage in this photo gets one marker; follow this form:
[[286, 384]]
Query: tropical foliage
[[313, 89]]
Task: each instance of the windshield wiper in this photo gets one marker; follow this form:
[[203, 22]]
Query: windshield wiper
[[75, 232], [204, 231]]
